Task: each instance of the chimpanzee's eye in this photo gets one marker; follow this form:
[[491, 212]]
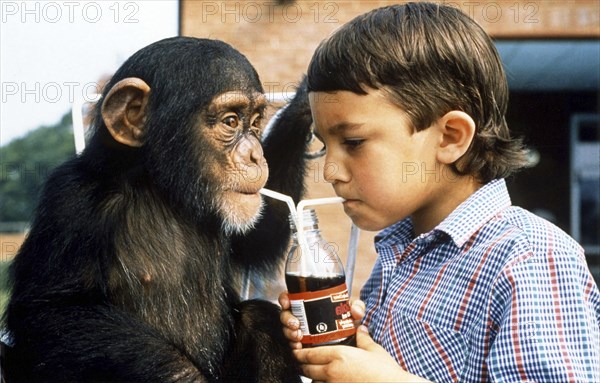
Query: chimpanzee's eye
[[257, 122], [232, 121]]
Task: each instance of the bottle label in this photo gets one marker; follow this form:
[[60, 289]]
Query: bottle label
[[324, 315]]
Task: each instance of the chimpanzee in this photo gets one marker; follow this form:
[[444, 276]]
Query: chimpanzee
[[128, 272]]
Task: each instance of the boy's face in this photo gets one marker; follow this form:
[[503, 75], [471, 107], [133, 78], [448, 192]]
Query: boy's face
[[374, 160]]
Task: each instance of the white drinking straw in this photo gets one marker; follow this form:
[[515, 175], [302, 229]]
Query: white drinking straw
[[282, 197], [351, 261], [317, 201], [297, 219]]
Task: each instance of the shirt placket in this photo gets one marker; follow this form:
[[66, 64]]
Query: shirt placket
[[397, 278]]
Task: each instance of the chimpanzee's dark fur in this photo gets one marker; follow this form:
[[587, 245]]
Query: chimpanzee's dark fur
[[77, 312]]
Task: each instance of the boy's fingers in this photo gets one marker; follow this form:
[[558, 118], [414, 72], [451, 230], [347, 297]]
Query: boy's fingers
[[364, 340], [291, 325], [284, 301], [288, 320], [296, 345], [358, 309], [292, 335], [315, 371], [317, 355]]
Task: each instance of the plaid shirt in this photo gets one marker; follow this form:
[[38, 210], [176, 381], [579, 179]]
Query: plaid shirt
[[493, 293]]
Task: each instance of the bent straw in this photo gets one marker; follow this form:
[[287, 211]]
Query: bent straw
[[297, 219], [282, 197], [317, 201]]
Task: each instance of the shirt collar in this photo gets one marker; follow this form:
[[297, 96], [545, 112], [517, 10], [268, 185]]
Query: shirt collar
[[473, 213], [400, 232], [461, 224]]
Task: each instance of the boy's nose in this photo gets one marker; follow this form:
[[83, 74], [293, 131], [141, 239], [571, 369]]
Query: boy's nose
[[334, 172], [330, 170]]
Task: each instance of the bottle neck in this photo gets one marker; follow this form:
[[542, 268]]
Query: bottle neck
[[311, 232], [308, 220]]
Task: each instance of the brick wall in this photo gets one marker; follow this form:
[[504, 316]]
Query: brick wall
[[280, 39]]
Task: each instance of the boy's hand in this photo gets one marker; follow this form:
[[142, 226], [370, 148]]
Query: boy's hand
[[291, 325], [368, 362]]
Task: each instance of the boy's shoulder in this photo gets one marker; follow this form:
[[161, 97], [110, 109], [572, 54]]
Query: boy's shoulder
[[540, 232], [489, 216], [526, 237]]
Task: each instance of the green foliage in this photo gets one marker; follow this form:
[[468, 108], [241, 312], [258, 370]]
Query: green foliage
[[25, 164]]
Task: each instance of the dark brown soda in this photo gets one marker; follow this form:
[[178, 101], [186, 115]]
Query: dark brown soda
[[298, 284]]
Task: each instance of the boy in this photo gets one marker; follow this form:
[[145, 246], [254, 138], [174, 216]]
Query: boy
[[466, 287]]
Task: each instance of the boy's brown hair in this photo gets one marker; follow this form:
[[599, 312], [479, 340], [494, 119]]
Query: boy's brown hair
[[429, 59]]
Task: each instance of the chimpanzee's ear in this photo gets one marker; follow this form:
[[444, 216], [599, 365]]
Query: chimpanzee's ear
[[124, 111]]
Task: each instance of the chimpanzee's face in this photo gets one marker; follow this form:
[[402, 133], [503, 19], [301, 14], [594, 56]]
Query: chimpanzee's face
[[232, 125]]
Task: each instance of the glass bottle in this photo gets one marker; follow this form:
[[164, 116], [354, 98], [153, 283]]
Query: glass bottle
[[317, 289]]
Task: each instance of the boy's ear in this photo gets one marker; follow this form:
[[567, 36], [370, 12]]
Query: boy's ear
[[124, 111], [457, 132]]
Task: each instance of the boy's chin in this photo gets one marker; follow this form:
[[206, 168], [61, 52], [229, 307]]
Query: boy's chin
[[365, 223]]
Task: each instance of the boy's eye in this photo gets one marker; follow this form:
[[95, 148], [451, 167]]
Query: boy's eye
[[353, 142]]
